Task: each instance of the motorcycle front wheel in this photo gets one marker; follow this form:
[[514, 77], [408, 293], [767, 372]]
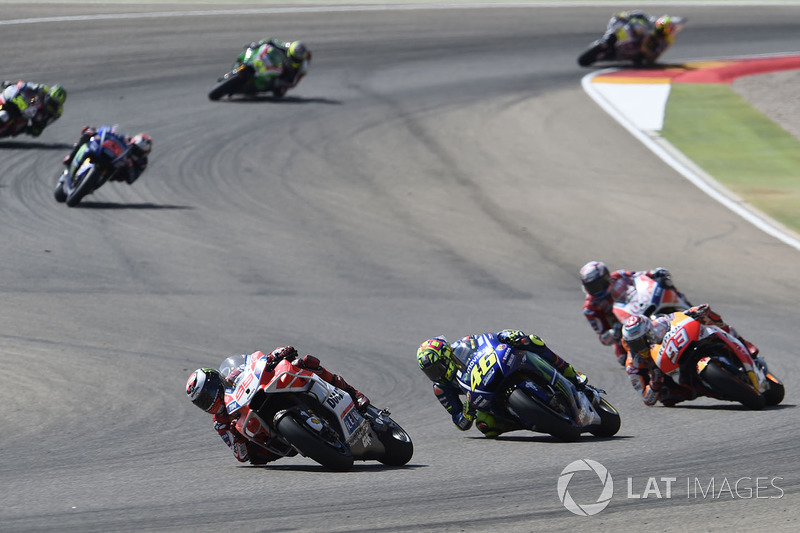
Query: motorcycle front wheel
[[542, 417], [227, 87], [610, 420], [399, 447], [331, 454], [729, 387]]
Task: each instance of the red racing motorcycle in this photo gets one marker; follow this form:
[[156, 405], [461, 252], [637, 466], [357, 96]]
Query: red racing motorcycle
[[285, 409], [714, 363]]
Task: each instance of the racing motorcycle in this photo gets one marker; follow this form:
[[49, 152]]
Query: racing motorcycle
[[522, 387], [711, 362], [649, 297], [95, 162], [286, 409], [622, 45], [16, 108], [243, 80]]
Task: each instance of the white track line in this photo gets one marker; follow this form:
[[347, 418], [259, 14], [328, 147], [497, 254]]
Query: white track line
[[701, 179]]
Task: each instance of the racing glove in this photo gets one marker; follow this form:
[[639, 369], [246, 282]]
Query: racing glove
[[662, 276]]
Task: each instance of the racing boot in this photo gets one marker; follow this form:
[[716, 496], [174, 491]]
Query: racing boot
[[492, 426], [311, 363], [577, 378], [670, 396]]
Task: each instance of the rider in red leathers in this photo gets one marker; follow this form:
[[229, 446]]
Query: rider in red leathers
[[206, 389], [640, 333], [603, 289]]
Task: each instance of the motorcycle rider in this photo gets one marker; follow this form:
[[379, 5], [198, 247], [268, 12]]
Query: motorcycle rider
[[443, 362], [21, 101], [136, 161], [603, 289], [659, 39], [640, 333], [652, 35], [296, 58], [206, 389]]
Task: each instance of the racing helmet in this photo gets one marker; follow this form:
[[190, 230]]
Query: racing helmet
[[57, 94], [637, 332], [141, 145], [206, 390], [665, 26], [297, 53], [596, 279], [435, 358]]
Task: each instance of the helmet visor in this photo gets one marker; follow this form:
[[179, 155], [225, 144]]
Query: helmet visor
[[639, 345], [597, 286], [435, 372]]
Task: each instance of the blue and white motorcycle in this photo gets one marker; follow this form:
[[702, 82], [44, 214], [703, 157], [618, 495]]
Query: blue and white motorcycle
[[95, 162], [521, 387]]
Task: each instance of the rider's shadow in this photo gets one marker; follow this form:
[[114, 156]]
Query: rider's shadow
[[549, 439], [34, 145], [731, 406], [285, 99], [317, 469], [143, 205]]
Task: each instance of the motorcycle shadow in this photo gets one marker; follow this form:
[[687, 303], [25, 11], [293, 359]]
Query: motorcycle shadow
[[316, 469], [627, 65], [729, 406], [286, 99], [112, 205], [549, 439], [34, 145]]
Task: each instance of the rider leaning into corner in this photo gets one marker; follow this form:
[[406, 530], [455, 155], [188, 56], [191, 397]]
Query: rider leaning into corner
[[443, 363], [134, 164], [206, 389], [296, 58], [603, 289], [641, 333], [655, 34], [17, 105]]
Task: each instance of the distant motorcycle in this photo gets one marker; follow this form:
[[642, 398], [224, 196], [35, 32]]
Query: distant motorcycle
[[17, 107], [95, 162], [521, 386], [622, 45], [243, 78], [648, 297], [282, 407], [714, 363]]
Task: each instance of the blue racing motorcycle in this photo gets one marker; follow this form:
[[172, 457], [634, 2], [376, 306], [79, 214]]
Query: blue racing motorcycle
[[95, 162], [520, 387]]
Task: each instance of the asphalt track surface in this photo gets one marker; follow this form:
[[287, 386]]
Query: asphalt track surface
[[437, 172]]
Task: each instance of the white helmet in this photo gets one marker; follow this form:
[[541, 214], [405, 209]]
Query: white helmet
[[141, 145], [638, 334]]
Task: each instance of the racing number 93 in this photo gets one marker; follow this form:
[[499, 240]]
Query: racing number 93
[[481, 368]]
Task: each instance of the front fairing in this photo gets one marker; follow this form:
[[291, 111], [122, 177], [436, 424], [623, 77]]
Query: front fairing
[[247, 382]]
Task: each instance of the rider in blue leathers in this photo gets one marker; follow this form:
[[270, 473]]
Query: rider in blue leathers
[[443, 363]]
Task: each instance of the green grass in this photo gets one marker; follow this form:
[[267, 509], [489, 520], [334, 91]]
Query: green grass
[[737, 145]]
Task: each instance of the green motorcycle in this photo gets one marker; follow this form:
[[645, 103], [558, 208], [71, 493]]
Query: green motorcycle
[[258, 69]]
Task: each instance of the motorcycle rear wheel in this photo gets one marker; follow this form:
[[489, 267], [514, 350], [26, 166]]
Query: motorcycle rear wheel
[[331, 455], [544, 419], [729, 387]]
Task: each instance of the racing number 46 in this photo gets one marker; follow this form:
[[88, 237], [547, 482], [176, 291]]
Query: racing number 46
[[481, 368]]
